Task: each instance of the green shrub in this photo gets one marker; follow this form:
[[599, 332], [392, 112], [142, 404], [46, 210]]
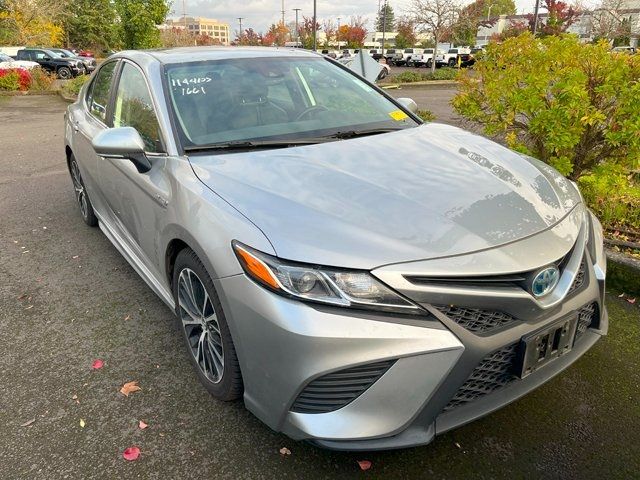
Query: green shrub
[[571, 105], [439, 74], [426, 115], [72, 87], [10, 81]]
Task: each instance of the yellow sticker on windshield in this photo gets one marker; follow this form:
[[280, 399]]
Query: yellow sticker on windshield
[[398, 115]]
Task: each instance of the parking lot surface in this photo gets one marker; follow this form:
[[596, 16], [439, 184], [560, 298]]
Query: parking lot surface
[[67, 297]]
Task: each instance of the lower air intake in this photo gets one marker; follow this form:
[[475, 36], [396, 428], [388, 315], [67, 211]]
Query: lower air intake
[[476, 320], [337, 389]]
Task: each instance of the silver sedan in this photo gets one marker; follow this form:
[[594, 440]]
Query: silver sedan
[[361, 279]]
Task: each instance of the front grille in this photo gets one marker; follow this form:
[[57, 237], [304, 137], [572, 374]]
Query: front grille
[[587, 317], [335, 390], [474, 319], [581, 276], [494, 372]]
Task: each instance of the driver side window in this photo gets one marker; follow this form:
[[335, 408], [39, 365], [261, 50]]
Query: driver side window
[[134, 108]]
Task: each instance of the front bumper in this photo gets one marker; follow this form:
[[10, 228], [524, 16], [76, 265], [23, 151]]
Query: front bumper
[[422, 376]]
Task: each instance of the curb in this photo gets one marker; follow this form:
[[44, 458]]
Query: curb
[[67, 98], [623, 272], [434, 84], [20, 93]]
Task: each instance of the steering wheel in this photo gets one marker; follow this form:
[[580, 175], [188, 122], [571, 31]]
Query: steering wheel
[[307, 111]]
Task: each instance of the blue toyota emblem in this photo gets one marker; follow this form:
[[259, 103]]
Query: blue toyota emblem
[[545, 281]]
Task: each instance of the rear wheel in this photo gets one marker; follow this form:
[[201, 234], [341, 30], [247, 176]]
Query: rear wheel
[[64, 73], [452, 62], [204, 327], [86, 209]]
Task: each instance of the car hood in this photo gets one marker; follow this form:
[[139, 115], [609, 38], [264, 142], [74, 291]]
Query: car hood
[[414, 194]]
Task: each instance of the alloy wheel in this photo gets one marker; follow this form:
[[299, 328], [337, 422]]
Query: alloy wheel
[[78, 186], [200, 325]]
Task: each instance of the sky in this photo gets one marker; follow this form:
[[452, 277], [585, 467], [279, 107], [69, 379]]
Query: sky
[[260, 14]]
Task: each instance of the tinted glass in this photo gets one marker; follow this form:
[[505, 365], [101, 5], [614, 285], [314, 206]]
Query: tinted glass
[[134, 108], [98, 93], [259, 98]]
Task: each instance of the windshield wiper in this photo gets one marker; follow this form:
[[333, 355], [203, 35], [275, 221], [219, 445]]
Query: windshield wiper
[[251, 144], [362, 133]]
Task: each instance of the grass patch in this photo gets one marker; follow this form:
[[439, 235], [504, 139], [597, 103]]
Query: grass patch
[[426, 115], [444, 73], [73, 86]]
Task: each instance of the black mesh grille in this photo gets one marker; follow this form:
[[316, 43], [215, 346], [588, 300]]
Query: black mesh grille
[[587, 317], [476, 320], [335, 390], [494, 372], [578, 282]]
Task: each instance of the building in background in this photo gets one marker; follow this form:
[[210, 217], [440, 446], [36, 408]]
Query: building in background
[[215, 29]]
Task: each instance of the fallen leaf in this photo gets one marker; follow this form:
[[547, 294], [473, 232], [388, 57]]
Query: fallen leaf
[[364, 464], [29, 307], [631, 300], [131, 453], [26, 424], [457, 445], [621, 295], [75, 397], [285, 451], [142, 425], [75, 256], [97, 364], [127, 317], [23, 296], [82, 424], [129, 387]]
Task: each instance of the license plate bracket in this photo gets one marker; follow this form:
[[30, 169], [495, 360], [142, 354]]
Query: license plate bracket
[[545, 345]]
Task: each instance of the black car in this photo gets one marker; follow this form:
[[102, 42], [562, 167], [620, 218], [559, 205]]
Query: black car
[[89, 63], [52, 62]]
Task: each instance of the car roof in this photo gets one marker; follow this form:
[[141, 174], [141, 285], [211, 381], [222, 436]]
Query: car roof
[[198, 54]]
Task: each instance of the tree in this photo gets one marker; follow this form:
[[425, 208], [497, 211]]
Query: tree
[[436, 17], [249, 37], [176, 37], [477, 14], [32, 22], [385, 24], [560, 17], [138, 20], [353, 33], [91, 24], [571, 105], [277, 35], [330, 30], [305, 32], [609, 22], [406, 33]]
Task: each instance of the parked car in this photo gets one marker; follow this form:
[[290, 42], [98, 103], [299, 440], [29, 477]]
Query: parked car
[[450, 58], [86, 53], [626, 49], [403, 57], [8, 62], [63, 67], [389, 53], [385, 72], [88, 63], [376, 53], [423, 59], [352, 301]]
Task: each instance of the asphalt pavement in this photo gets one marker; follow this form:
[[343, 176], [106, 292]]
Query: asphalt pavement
[[67, 298]]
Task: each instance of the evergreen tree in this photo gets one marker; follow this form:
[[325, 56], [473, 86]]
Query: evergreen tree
[[91, 24], [388, 24], [138, 20]]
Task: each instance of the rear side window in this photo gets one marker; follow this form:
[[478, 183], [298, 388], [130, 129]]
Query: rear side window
[[98, 94]]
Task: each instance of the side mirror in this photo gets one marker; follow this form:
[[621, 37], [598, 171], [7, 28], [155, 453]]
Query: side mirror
[[122, 143], [409, 104]]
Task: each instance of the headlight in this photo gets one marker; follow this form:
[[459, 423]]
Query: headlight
[[356, 289]]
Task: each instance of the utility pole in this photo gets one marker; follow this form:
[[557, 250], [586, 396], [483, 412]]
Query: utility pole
[[338, 34], [283, 13], [535, 18], [240, 35], [489, 11], [184, 14], [384, 24], [297, 29], [314, 25]]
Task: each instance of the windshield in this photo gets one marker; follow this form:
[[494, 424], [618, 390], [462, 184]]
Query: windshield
[[5, 58], [65, 53], [274, 98]]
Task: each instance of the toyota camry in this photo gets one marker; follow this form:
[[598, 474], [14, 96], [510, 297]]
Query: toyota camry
[[361, 279]]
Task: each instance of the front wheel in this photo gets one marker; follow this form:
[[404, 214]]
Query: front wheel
[[204, 327], [86, 209], [452, 62]]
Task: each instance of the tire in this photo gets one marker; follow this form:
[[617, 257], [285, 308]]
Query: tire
[[64, 73], [82, 197], [452, 62], [204, 329], [429, 62]]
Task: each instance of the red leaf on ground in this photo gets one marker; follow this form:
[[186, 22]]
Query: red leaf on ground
[[364, 464], [142, 425], [631, 300], [129, 387], [131, 453], [285, 451], [97, 364]]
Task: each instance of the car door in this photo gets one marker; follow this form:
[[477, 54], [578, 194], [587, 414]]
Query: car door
[[87, 118], [136, 200], [44, 60]]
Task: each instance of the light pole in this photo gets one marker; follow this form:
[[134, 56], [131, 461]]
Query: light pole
[[314, 25], [240, 35], [338, 34], [535, 18], [384, 24], [297, 29], [489, 11]]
